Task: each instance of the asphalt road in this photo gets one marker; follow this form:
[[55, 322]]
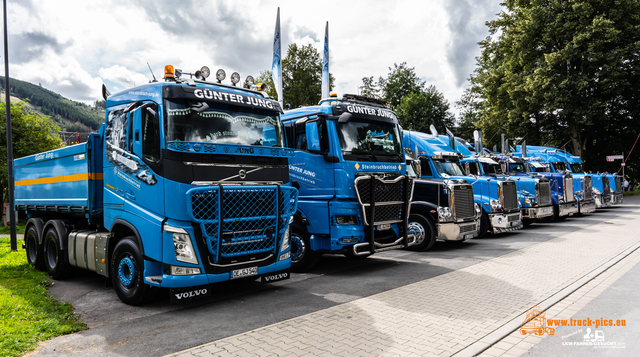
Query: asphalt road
[[159, 328]]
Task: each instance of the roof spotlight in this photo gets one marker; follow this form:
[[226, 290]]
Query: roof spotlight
[[235, 78], [248, 82], [205, 72], [220, 75]]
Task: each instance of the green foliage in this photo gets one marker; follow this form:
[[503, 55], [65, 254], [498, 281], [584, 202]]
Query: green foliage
[[51, 103], [302, 76], [556, 72], [419, 110], [400, 82], [30, 135], [27, 313], [370, 88]]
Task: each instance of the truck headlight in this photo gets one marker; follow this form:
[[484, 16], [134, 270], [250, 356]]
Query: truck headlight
[[495, 205], [478, 209], [444, 214], [285, 240], [346, 220], [182, 245]]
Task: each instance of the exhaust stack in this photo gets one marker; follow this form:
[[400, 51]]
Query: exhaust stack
[[477, 141]]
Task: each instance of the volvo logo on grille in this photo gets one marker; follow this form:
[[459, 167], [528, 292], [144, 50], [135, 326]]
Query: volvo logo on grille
[[242, 174]]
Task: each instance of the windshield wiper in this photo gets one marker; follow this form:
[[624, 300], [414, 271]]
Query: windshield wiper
[[370, 153]]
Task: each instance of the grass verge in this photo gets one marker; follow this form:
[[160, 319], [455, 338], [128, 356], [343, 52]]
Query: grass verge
[[632, 193], [7, 229], [28, 314]]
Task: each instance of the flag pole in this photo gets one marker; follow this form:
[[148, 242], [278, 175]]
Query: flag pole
[[7, 105]]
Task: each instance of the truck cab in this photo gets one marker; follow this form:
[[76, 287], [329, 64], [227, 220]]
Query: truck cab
[[186, 184], [500, 211], [349, 167], [443, 208]]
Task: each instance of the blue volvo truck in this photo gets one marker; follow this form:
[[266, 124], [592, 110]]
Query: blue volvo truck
[[443, 207], [186, 184], [497, 199], [349, 167]]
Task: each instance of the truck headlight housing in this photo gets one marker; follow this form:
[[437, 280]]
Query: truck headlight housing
[[596, 191], [495, 205], [444, 214], [478, 208], [353, 220], [286, 241], [182, 245]]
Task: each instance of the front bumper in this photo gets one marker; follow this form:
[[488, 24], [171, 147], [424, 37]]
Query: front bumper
[[505, 222], [537, 212], [568, 209], [587, 206], [458, 231], [617, 198]]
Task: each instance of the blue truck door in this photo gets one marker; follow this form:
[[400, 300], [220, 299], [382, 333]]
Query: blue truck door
[[115, 143]]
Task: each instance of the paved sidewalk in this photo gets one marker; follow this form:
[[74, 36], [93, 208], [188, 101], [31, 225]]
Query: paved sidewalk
[[446, 314]]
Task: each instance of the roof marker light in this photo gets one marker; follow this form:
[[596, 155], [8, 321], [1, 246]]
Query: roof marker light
[[169, 72]]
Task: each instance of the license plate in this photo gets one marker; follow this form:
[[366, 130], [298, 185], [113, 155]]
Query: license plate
[[384, 227], [468, 236], [546, 210], [241, 273]]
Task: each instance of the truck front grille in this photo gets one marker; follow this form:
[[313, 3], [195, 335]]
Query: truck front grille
[[463, 204], [544, 189], [588, 188], [568, 189], [618, 182], [242, 221], [509, 195], [606, 188], [388, 197]]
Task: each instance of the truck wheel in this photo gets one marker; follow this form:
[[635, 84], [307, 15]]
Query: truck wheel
[[424, 232], [54, 259], [302, 257], [127, 269], [35, 251], [484, 224]]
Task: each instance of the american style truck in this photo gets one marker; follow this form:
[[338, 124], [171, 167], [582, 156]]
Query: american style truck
[[500, 211], [589, 187], [443, 208], [186, 184], [534, 191], [349, 167]]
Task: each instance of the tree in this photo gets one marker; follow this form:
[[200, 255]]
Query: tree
[[400, 82], [556, 71], [370, 88], [30, 133], [302, 76], [418, 110]]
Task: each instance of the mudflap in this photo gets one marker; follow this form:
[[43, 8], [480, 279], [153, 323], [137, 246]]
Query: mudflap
[[276, 276], [190, 293]]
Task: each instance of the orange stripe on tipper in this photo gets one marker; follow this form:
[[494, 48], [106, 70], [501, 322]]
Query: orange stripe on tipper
[[64, 178]]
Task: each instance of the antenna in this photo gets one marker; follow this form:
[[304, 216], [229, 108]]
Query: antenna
[[154, 77]]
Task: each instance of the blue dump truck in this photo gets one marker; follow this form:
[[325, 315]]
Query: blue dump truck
[[349, 167], [534, 191], [565, 203], [497, 198], [443, 207], [588, 188], [186, 184]]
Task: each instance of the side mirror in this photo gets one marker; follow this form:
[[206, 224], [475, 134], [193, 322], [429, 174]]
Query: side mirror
[[344, 118]]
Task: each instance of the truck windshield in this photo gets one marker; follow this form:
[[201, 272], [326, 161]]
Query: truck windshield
[[449, 167], [369, 137], [492, 169], [517, 167], [561, 166], [221, 124], [577, 168]]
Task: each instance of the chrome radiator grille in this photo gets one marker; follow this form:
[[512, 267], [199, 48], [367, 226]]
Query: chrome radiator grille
[[463, 205], [544, 189], [568, 190], [618, 181], [588, 188], [509, 195], [388, 197], [606, 188]]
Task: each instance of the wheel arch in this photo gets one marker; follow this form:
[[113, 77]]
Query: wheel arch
[[121, 229], [38, 223], [424, 208]]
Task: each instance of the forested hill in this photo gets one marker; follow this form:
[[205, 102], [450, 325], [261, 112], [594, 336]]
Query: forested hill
[[69, 115]]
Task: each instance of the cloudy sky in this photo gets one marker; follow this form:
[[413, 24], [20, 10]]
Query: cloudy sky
[[72, 47]]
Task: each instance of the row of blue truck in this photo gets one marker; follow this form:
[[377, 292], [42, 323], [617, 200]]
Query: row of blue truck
[[191, 182]]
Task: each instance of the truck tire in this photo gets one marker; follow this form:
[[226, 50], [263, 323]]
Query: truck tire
[[127, 268], [54, 259], [424, 230], [484, 224], [35, 251], [302, 257]]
